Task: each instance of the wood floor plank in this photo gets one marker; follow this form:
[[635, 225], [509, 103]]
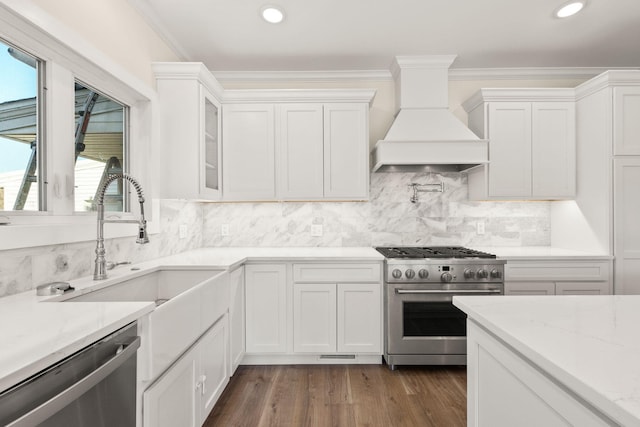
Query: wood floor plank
[[343, 396]]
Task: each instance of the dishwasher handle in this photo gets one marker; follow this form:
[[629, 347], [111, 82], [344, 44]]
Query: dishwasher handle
[[58, 402]]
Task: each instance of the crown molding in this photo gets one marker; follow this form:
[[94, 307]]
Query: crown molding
[[455, 74], [518, 95], [299, 95], [302, 76], [624, 77]]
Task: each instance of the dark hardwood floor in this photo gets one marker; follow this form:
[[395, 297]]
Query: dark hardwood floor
[[343, 396]]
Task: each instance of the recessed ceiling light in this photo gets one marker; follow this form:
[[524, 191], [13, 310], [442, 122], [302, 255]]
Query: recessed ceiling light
[[272, 14], [569, 9]]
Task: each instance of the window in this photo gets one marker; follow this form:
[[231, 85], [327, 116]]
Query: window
[[20, 142], [59, 76], [100, 135]]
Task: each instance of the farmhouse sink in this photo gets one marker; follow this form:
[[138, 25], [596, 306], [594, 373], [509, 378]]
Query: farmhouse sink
[[188, 302], [159, 286]]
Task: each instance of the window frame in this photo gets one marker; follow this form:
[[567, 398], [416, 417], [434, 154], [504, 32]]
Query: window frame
[[59, 50]]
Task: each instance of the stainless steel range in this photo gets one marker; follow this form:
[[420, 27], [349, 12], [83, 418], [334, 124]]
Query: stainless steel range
[[422, 326]]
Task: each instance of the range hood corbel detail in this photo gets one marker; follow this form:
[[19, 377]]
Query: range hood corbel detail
[[425, 135]]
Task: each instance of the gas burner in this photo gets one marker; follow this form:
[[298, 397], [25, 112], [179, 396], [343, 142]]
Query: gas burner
[[440, 252]]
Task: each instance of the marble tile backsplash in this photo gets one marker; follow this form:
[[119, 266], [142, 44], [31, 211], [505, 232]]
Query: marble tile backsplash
[[388, 218]]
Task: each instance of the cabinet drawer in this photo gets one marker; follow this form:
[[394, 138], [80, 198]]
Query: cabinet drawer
[[337, 272], [557, 271]]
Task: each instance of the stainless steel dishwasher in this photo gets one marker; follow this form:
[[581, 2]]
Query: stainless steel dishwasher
[[94, 387]]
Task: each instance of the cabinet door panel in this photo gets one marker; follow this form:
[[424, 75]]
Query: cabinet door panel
[[300, 144], [346, 151], [265, 308], [553, 149], [248, 152], [314, 318], [213, 366], [582, 288], [236, 318], [626, 200], [359, 318], [626, 126], [210, 149], [172, 400], [529, 288], [510, 149]]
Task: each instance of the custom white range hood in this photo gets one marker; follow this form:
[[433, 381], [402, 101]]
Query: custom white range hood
[[425, 135]]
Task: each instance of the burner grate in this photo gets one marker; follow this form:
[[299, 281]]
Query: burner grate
[[432, 252]]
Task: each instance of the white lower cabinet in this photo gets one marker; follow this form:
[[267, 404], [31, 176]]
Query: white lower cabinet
[[313, 313], [185, 394], [266, 308], [314, 318], [332, 317], [342, 318], [558, 277], [359, 317]]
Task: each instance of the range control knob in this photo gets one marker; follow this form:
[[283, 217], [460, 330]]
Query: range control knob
[[469, 274], [482, 273], [495, 274], [423, 273], [410, 274], [446, 277], [396, 274]]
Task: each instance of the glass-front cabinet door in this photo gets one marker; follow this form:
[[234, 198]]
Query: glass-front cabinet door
[[210, 173]]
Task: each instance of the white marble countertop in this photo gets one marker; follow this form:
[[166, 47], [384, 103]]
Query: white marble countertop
[[547, 253], [37, 331], [36, 334], [590, 344]]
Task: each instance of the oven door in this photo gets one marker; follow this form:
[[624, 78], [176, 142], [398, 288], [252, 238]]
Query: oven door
[[421, 318]]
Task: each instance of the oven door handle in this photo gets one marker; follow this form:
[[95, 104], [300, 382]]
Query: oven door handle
[[444, 291]]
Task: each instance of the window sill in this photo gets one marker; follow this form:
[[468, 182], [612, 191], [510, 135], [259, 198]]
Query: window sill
[[40, 229]]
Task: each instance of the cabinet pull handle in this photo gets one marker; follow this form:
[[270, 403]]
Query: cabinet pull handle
[[203, 381]]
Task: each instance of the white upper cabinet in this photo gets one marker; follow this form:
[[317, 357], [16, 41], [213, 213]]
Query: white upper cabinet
[[301, 142], [190, 119], [249, 152], [346, 151], [532, 154], [626, 125], [308, 150]]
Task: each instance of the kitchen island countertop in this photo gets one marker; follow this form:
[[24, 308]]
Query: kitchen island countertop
[[589, 344]]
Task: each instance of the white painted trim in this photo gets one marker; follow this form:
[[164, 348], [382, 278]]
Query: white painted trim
[[45, 34], [41, 229], [187, 71], [455, 74], [519, 95], [299, 95], [303, 76], [607, 79]]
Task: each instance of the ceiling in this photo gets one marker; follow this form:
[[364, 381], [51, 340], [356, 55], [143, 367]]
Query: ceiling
[[229, 35]]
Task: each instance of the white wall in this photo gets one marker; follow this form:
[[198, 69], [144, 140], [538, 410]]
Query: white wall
[[114, 28]]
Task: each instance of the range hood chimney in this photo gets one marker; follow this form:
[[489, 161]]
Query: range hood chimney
[[425, 135]]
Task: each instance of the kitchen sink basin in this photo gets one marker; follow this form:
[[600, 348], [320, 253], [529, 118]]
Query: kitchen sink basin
[[188, 302], [159, 286]]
